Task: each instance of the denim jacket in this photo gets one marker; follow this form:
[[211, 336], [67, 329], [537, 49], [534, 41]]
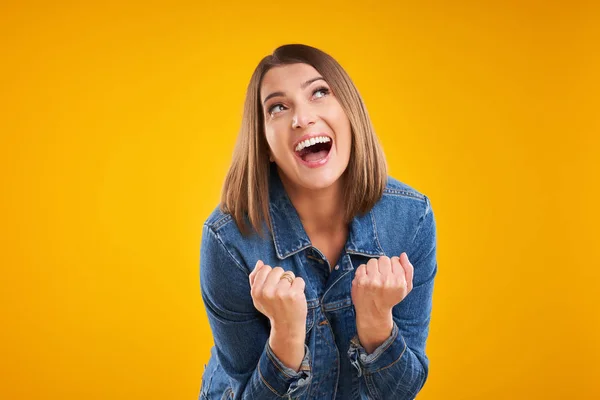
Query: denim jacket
[[335, 366]]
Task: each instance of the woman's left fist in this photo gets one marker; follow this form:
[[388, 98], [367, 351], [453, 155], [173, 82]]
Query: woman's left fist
[[381, 284]]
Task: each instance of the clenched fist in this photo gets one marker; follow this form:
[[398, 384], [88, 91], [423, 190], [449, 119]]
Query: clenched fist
[[379, 285], [284, 303]]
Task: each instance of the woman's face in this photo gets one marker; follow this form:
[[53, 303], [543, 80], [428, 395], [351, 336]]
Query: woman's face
[[308, 132]]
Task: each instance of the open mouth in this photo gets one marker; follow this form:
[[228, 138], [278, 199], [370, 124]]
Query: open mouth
[[314, 152]]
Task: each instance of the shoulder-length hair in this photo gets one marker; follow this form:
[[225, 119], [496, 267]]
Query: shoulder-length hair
[[245, 193]]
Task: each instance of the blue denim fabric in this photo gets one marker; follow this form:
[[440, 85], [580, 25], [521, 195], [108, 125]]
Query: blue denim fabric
[[242, 364]]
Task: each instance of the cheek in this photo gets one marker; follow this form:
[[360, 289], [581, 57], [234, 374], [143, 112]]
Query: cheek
[[274, 140], [343, 128]]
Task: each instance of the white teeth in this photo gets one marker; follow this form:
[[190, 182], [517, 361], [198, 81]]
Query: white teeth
[[312, 141]]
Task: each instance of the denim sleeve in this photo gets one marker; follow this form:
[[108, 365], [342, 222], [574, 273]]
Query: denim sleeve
[[241, 332], [398, 368]]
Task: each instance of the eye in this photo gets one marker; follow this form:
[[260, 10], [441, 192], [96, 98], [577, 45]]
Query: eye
[[322, 89], [270, 111], [325, 91]]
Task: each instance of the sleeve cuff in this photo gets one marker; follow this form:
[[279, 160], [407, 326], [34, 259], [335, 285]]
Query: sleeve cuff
[[387, 354], [281, 380]]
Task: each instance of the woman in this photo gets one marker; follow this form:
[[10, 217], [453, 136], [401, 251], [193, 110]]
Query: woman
[[317, 269]]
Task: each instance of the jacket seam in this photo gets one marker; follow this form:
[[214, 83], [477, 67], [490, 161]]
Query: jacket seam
[[220, 241], [393, 362], [277, 366], [404, 193], [391, 342], [375, 230], [422, 219], [220, 222], [266, 383], [371, 386]]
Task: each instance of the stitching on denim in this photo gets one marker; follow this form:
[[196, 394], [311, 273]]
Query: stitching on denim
[[312, 318], [222, 221], [363, 253], [422, 219], [314, 303], [323, 336], [396, 360], [387, 346], [337, 305], [262, 378], [274, 225], [333, 284], [375, 230], [276, 364], [218, 237], [292, 252], [371, 387], [403, 193], [340, 307], [337, 352]]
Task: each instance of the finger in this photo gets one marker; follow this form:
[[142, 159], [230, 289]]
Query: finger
[[408, 269], [298, 285], [257, 267], [398, 271], [285, 283], [385, 266], [396, 266], [261, 276], [360, 271], [273, 279], [372, 269]]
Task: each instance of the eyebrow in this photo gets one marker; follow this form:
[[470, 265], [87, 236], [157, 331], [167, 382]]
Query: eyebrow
[[303, 86]]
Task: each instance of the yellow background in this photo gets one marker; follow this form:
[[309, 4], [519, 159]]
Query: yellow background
[[117, 125]]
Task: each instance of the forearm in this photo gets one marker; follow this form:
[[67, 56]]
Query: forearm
[[288, 346], [372, 332]]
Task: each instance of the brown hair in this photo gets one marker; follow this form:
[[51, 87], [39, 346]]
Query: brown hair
[[246, 191]]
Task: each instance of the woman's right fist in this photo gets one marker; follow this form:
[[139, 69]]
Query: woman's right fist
[[284, 303]]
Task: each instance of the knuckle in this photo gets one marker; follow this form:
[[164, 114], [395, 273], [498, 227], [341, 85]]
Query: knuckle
[[268, 295], [278, 269], [266, 270]]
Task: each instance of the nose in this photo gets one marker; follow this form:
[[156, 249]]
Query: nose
[[303, 117]]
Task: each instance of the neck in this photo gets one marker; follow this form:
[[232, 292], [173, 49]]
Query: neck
[[321, 211]]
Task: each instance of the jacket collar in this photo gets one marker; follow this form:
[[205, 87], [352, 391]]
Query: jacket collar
[[290, 237]]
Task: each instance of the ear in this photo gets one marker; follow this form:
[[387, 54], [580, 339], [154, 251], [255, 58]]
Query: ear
[[271, 157]]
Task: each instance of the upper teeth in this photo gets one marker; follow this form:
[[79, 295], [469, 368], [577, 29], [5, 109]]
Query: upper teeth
[[309, 142]]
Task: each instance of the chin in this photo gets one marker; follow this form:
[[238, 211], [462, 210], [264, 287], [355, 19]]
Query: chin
[[319, 180]]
